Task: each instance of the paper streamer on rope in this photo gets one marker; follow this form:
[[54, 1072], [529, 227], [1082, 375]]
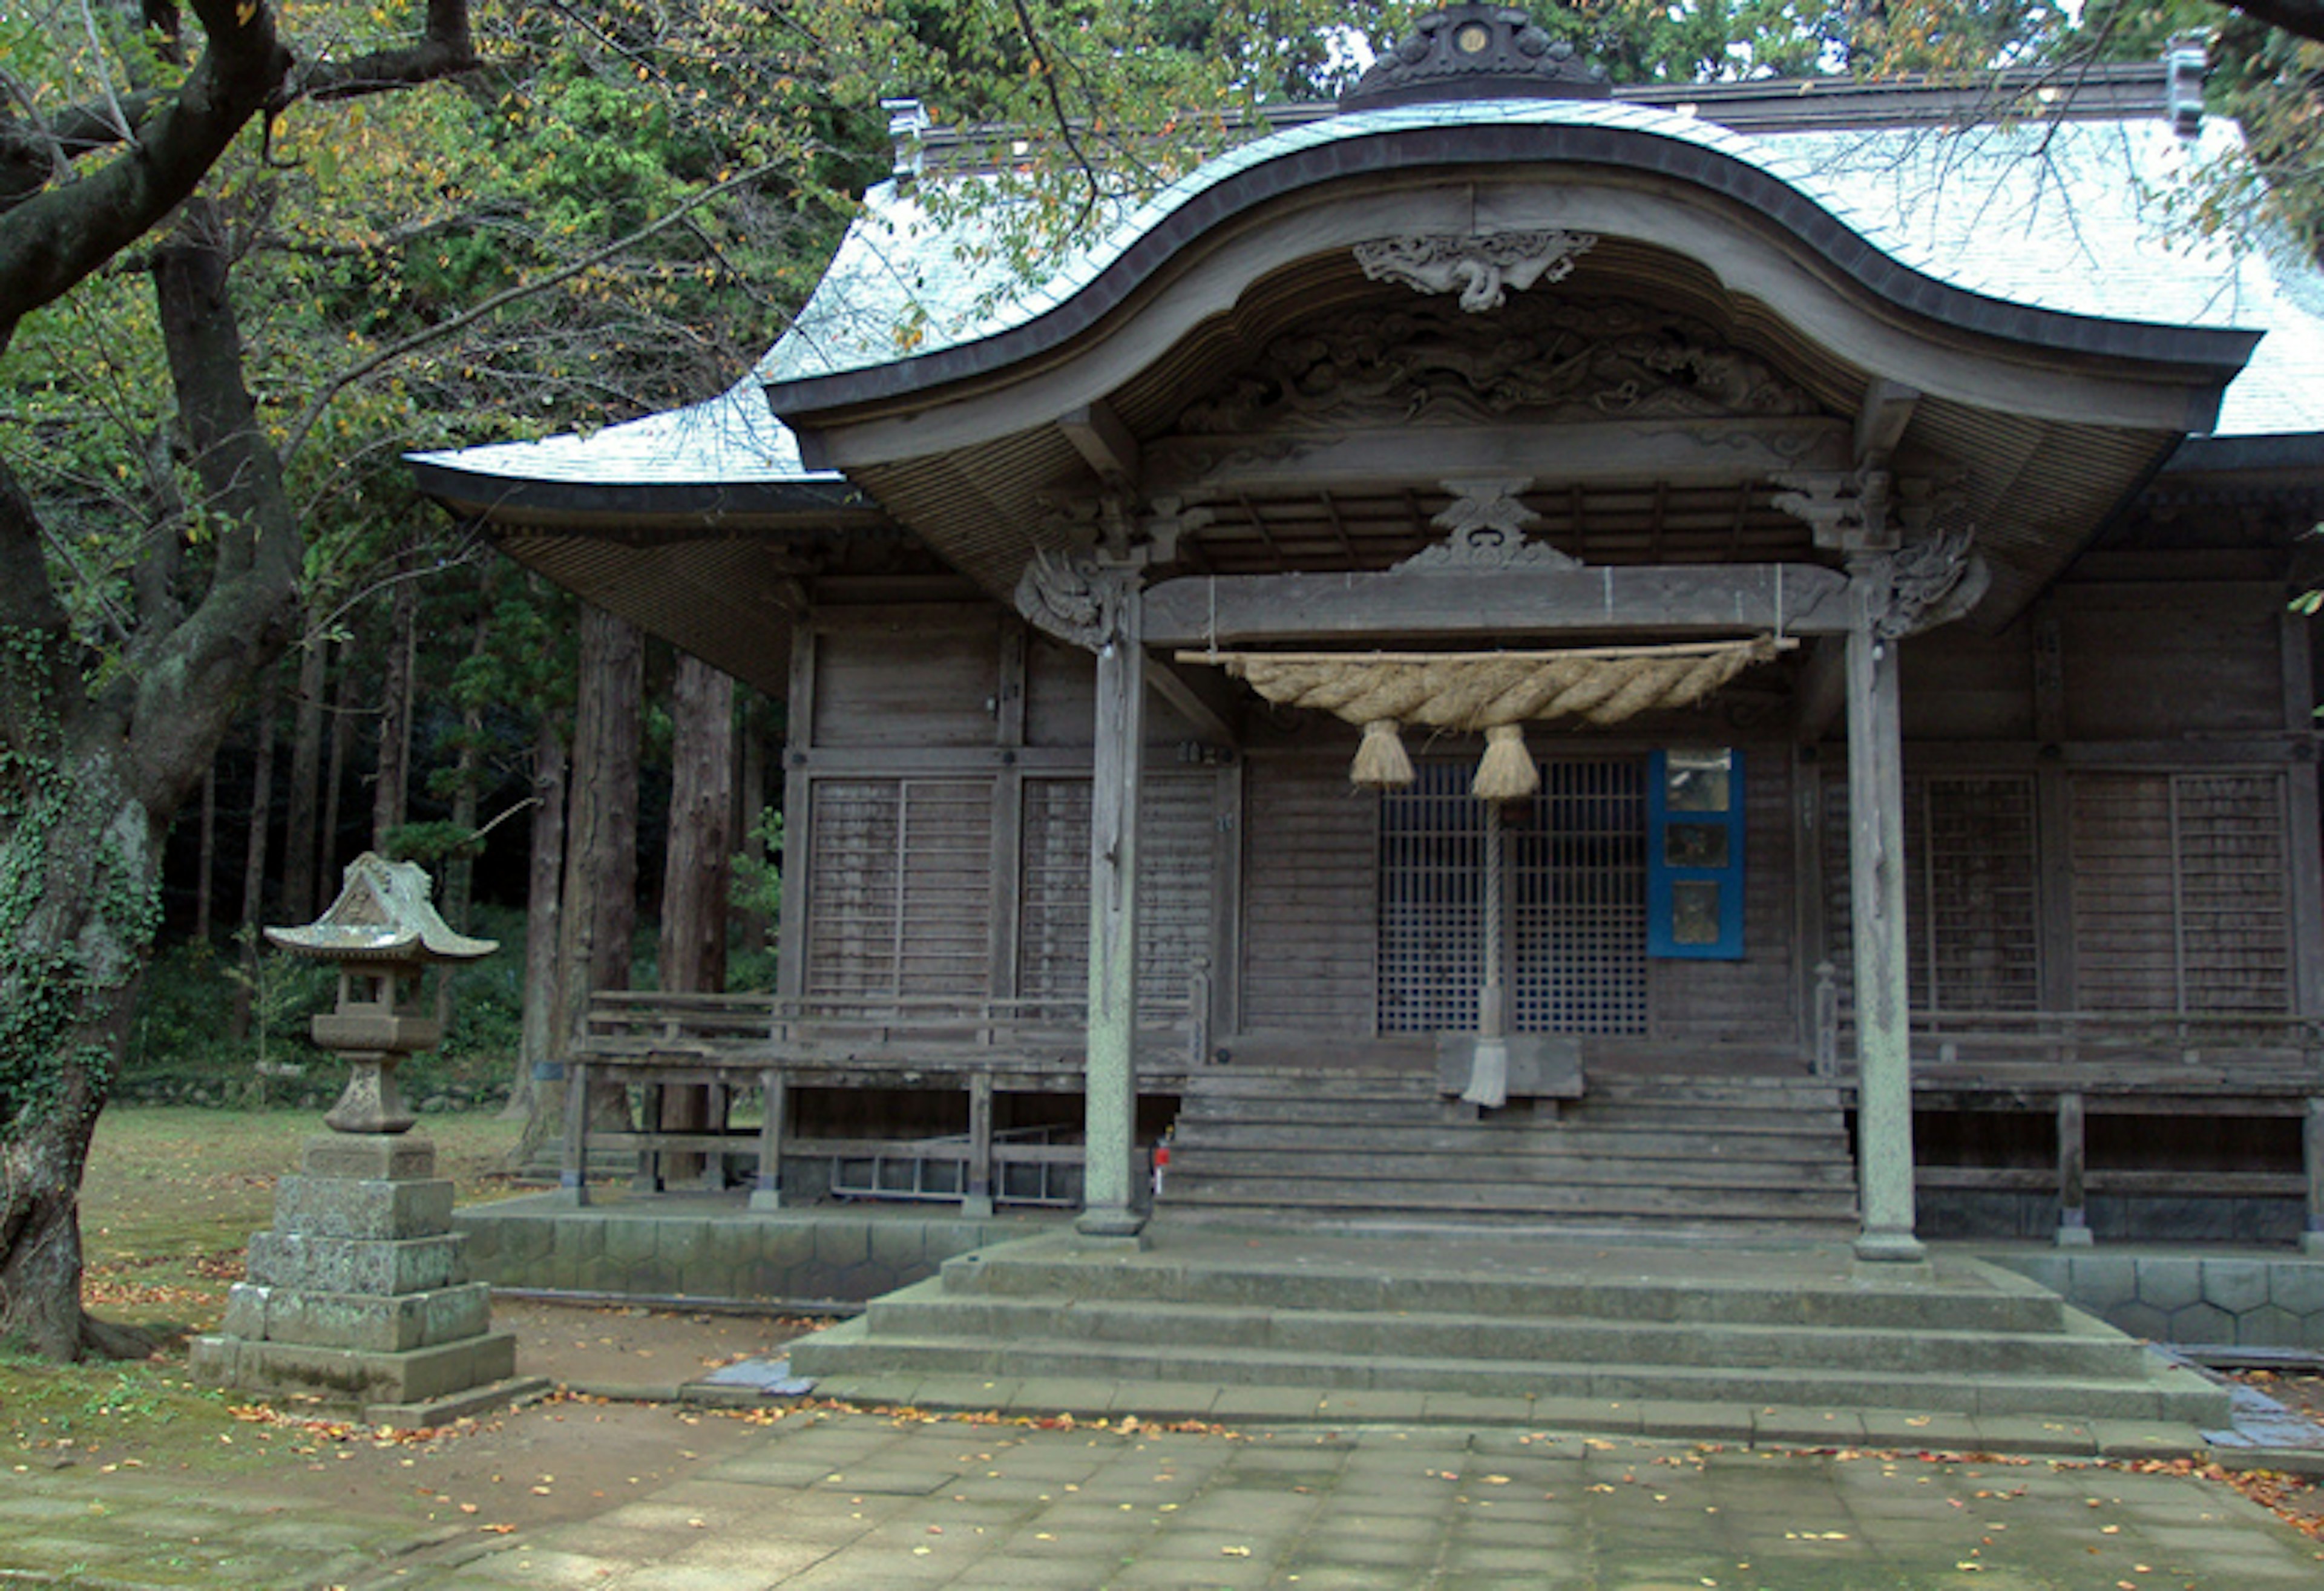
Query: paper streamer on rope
[[1493, 692]]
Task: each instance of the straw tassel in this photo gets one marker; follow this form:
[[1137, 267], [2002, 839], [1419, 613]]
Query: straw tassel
[[1508, 772], [1381, 762]]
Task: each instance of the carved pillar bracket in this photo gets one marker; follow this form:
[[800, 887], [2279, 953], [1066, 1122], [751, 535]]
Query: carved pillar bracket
[[1484, 270], [1846, 510], [1078, 597], [1926, 583]]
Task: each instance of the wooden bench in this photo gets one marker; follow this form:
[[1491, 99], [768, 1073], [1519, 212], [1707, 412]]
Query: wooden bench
[[740, 1043], [2068, 1064]]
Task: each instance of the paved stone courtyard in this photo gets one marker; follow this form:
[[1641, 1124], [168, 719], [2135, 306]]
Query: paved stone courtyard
[[831, 1500]]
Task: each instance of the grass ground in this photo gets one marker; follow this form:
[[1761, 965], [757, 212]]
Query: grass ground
[[172, 1197]]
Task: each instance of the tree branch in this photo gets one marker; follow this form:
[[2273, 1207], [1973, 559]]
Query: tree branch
[[2303, 17], [54, 240], [469, 316], [189, 684], [445, 50]]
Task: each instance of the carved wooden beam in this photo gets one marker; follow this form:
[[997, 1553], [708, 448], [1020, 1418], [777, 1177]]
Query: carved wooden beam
[[1670, 599], [1681, 451], [1102, 439], [1887, 409]]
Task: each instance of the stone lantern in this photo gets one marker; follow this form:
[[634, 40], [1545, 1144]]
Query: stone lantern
[[359, 1293], [385, 933]]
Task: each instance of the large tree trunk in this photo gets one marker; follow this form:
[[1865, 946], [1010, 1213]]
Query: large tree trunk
[[460, 868], [298, 902], [599, 917], [206, 869], [751, 927], [327, 836], [89, 784], [541, 913], [75, 929], [388, 796], [697, 865], [254, 862]]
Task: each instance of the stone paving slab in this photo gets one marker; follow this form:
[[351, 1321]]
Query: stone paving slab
[[1434, 1508], [830, 1499]]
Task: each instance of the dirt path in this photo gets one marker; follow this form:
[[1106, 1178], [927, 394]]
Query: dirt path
[[567, 1457]]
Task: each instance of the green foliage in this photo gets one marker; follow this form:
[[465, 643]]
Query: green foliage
[[180, 1051], [758, 877]]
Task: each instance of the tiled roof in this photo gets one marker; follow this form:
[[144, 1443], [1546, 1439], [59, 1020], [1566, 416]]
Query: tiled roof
[[2089, 218], [732, 440]]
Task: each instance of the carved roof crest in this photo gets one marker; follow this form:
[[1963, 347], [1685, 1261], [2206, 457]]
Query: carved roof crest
[[1567, 359], [1476, 53]]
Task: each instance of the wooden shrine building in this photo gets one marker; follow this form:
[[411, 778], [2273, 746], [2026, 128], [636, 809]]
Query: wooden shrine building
[[1502, 610]]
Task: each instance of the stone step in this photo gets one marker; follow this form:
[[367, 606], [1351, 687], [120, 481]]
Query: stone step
[[1297, 1196], [929, 1311], [1529, 1280], [2172, 1396]]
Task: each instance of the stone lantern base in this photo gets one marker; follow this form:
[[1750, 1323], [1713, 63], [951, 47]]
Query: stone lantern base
[[358, 1293]]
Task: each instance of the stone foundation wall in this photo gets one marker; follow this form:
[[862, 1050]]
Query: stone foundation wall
[[806, 1259], [2238, 1301]]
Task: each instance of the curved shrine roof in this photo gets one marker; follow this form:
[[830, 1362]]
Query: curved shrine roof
[[2083, 235]]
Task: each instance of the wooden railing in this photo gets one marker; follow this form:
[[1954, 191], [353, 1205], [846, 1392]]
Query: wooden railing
[[2067, 1064], [734, 1044]]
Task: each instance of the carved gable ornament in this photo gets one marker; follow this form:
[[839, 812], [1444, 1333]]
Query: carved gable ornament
[[1483, 271], [1541, 360]]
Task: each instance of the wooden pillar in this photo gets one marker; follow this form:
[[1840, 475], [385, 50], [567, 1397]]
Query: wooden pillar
[[2073, 1166], [766, 1188], [976, 1183], [1876, 850], [573, 1170], [1109, 1183], [2312, 1143]]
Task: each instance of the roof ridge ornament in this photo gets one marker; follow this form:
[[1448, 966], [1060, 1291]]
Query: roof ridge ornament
[[1476, 53]]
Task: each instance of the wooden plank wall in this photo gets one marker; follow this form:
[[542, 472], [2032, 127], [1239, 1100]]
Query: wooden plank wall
[[2118, 835], [939, 807], [1311, 895]]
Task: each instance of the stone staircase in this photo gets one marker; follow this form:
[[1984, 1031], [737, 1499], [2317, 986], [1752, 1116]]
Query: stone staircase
[[1686, 1157], [1540, 1326]]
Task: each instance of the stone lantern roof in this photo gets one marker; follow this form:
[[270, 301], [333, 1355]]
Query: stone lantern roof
[[383, 914]]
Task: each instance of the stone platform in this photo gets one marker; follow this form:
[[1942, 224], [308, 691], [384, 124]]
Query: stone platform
[[358, 1294], [698, 1248]]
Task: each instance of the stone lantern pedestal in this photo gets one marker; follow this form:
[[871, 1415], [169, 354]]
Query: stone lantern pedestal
[[358, 1292]]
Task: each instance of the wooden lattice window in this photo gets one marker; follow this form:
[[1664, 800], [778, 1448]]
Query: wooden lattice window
[[1973, 917], [1972, 905], [1575, 891], [1580, 895], [1178, 841], [899, 887], [2180, 902]]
